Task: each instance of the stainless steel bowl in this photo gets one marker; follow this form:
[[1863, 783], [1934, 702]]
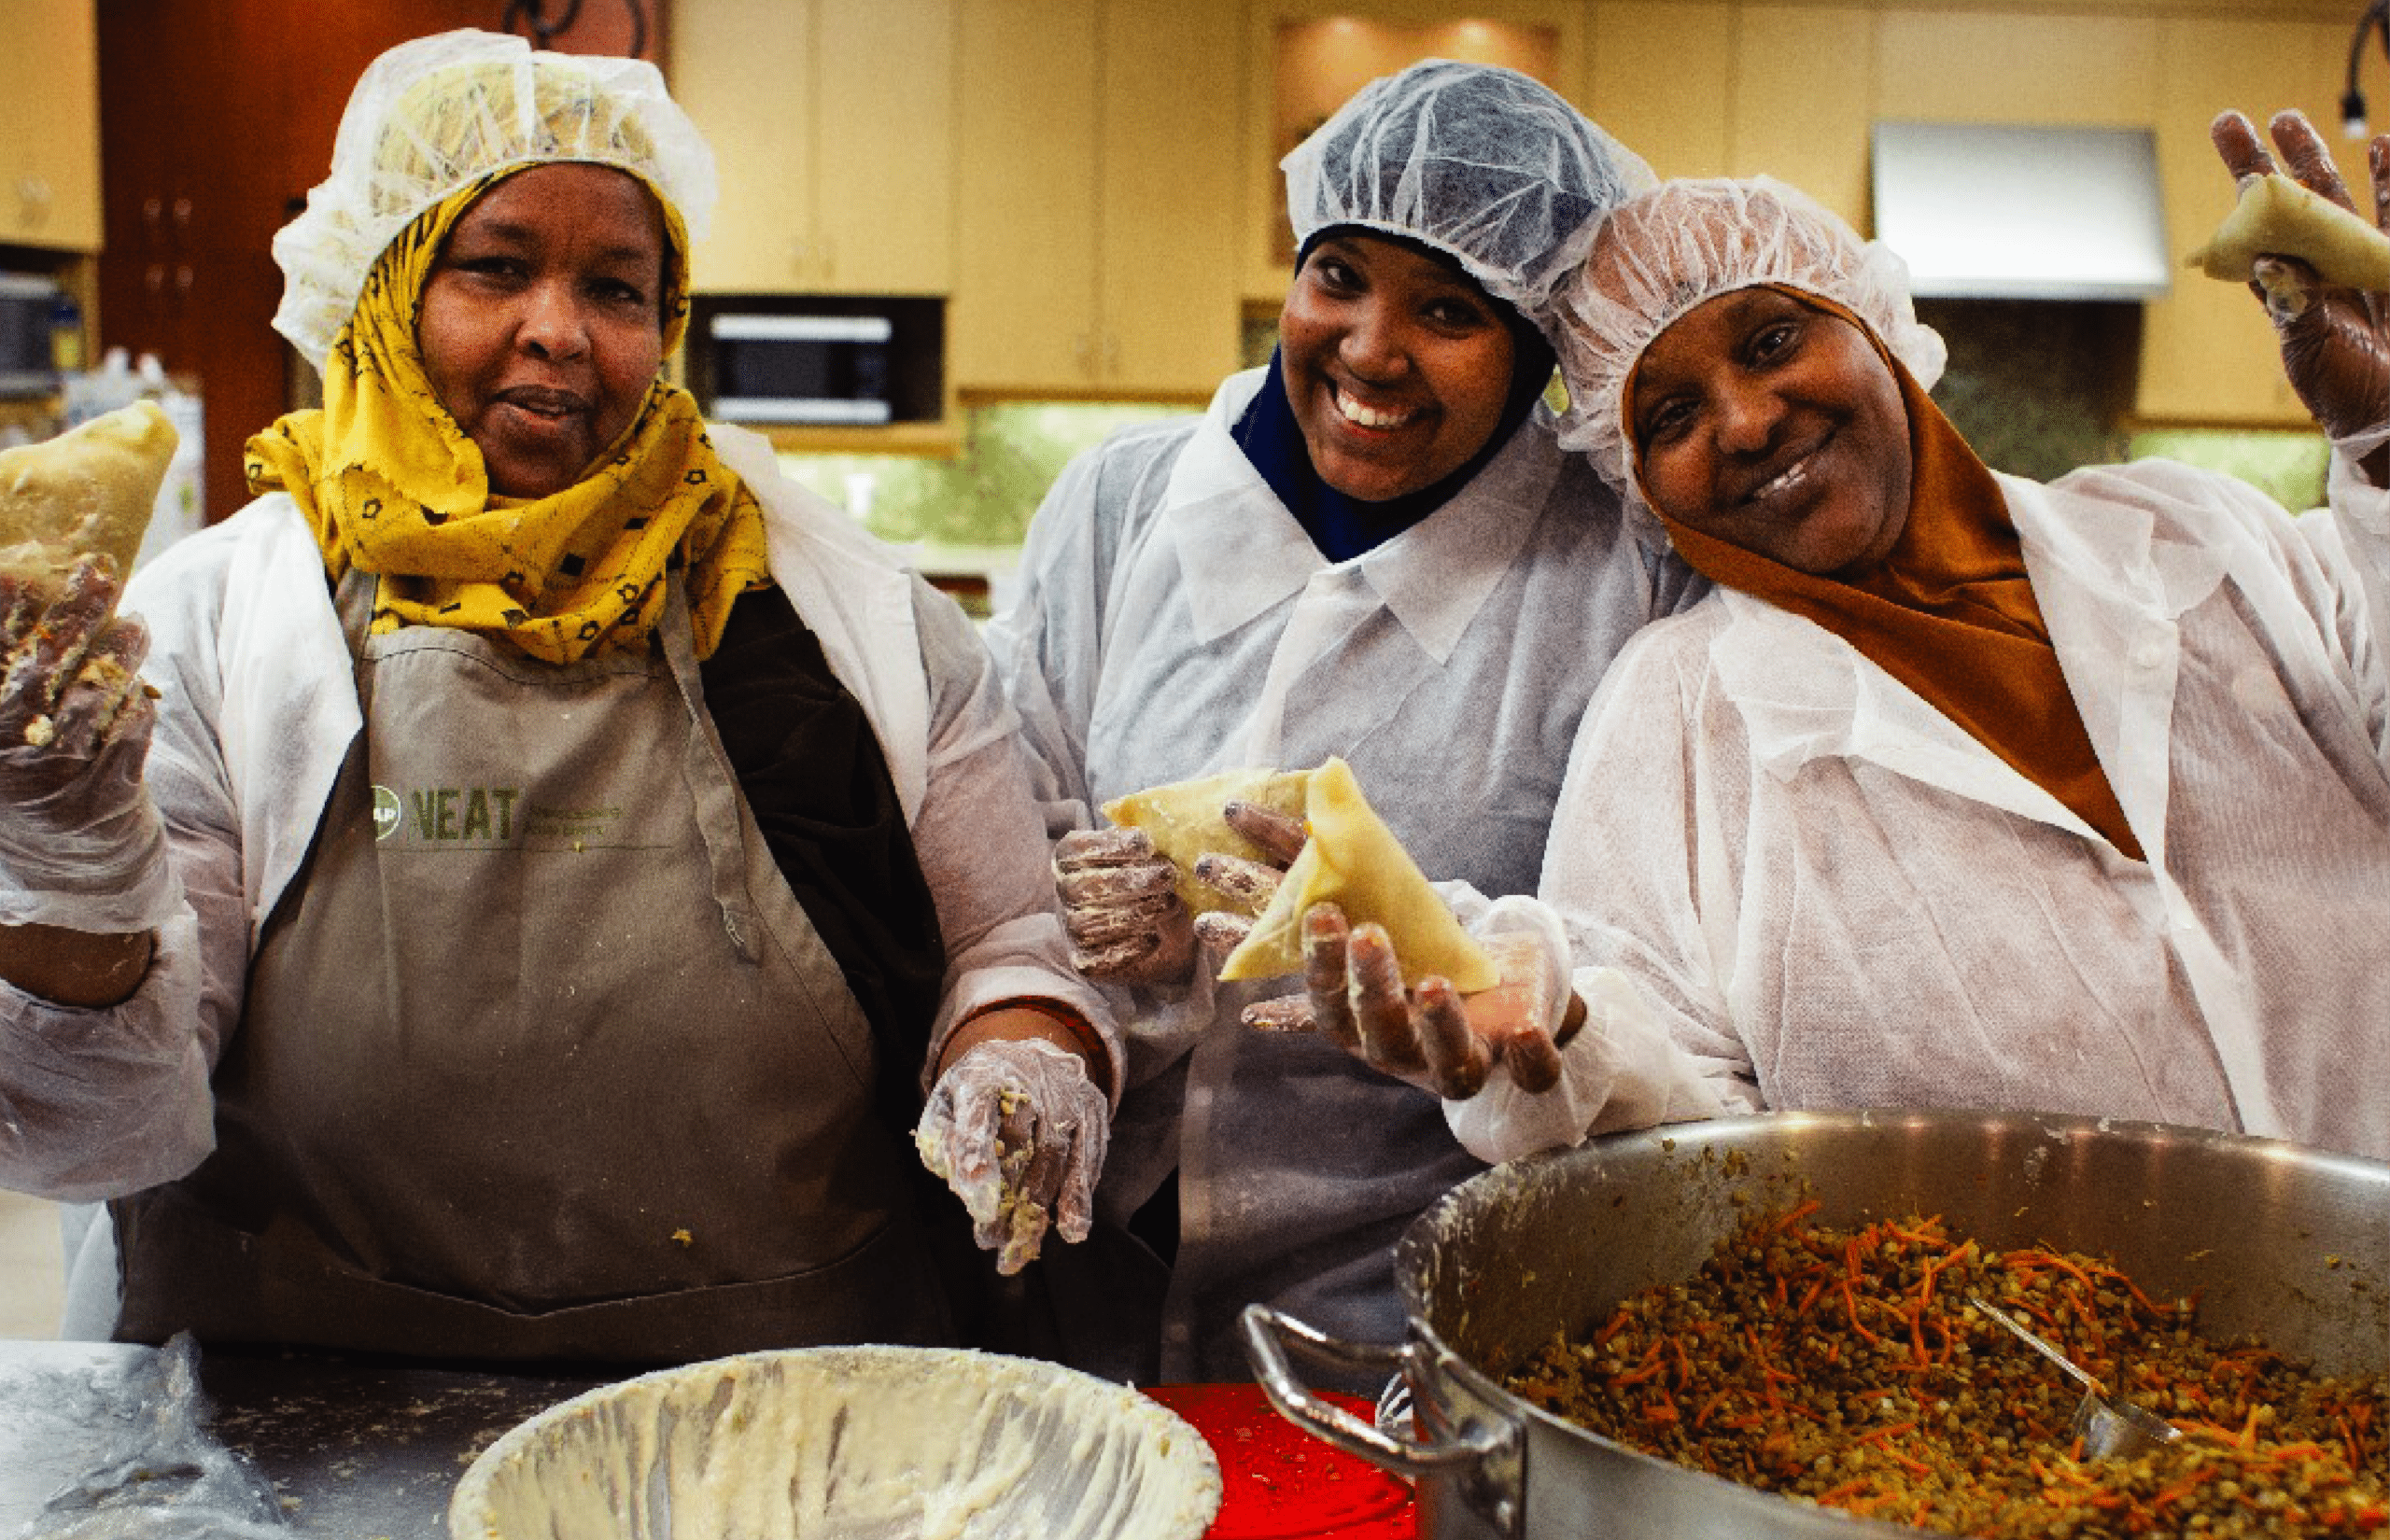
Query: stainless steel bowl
[[865, 1443], [2290, 1243]]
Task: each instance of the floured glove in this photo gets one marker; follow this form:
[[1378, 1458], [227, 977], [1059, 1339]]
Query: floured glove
[[1019, 1131], [81, 844], [1122, 909]]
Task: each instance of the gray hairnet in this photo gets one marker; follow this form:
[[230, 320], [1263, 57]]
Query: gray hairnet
[[430, 115], [1664, 254], [1488, 164]]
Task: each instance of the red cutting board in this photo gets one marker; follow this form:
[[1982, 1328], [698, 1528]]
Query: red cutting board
[[1278, 1482]]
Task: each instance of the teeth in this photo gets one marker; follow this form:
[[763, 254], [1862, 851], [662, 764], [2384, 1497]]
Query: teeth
[[1789, 476], [1356, 412]]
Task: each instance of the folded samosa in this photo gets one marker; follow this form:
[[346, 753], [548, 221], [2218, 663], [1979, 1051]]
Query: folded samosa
[[90, 490], [1353, 861], [2276, 217]]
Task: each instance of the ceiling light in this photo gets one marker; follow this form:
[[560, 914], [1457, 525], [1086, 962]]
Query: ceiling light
[[2375, 20]]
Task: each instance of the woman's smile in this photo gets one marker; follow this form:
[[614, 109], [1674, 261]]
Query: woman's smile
[[1361, 416]]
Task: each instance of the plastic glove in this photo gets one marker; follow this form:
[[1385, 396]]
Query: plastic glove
[[1019, 1131], [1250, 885], [1121, 907], [1431, 1036], [78, 830], [2335, 345]]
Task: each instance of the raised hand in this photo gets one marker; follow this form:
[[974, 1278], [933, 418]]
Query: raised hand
[[74, 725], [2335, 346]]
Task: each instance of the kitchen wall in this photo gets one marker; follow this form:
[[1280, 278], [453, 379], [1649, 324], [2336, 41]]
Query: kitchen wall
[[983, 497]]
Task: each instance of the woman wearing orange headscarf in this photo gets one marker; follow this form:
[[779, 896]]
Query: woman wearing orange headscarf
[[1965, 789]]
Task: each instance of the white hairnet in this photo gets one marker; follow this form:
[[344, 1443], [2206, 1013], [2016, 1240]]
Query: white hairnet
[[1488, 164], [1673, 249], [430, 115]]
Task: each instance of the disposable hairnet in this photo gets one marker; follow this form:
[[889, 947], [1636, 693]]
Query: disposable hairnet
[[1667, 253], [432, 115], [1483, 162]]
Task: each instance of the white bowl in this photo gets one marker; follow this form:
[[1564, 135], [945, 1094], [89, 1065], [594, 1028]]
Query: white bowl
[[863, 1443]]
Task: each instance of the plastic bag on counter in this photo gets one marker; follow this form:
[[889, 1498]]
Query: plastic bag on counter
[[152, 1469]]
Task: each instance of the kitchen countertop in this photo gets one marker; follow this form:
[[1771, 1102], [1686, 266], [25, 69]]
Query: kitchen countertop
[[370, 1449], [356, 1449]]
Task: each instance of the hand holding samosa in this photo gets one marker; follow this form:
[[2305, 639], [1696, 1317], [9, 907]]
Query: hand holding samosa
[[77, 830]]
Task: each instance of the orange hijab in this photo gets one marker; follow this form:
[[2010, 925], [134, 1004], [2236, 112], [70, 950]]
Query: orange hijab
[[1950, 614]]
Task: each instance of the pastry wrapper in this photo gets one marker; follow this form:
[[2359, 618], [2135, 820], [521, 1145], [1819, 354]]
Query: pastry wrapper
[[2276, 217]]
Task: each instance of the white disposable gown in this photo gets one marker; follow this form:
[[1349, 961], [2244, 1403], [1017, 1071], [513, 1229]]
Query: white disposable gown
[[1175, 620], [1835, 897]]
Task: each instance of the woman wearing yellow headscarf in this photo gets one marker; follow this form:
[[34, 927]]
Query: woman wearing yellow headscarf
[[565, 851]]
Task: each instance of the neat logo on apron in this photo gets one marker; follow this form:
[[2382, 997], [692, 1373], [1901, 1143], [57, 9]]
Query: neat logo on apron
[[492, 818]]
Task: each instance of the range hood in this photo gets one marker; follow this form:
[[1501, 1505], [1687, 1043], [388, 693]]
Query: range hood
[[1996, 211]]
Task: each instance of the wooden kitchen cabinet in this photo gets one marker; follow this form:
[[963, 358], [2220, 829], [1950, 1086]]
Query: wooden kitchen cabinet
[[50, 125], [832, 123], [1096, 204]]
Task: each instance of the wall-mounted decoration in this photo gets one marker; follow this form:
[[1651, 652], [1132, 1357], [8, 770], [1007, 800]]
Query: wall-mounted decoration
[[621, 30]]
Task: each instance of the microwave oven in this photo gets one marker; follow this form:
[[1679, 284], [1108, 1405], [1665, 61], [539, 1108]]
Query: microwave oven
[[828, 360], [28, 308]]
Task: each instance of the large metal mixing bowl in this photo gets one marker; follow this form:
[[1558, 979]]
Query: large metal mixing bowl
[[2275, 1239], [867, 1443]]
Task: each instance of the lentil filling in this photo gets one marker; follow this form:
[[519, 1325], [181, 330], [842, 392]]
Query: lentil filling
[[1846, 1369]]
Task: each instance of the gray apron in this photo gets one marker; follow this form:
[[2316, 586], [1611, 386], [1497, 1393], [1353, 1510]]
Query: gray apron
[[541, 1056]]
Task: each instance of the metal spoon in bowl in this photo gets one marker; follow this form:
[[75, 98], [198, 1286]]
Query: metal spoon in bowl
[[2108, 1427]]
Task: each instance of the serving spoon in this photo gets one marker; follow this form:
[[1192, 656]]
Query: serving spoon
[[2108, 1427]]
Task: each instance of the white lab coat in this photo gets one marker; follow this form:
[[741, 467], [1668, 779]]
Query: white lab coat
[[1175, 620], [257, 710], [1835, 897]]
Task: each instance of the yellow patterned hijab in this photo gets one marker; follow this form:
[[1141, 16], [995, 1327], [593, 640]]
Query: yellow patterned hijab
[[392, 486]]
